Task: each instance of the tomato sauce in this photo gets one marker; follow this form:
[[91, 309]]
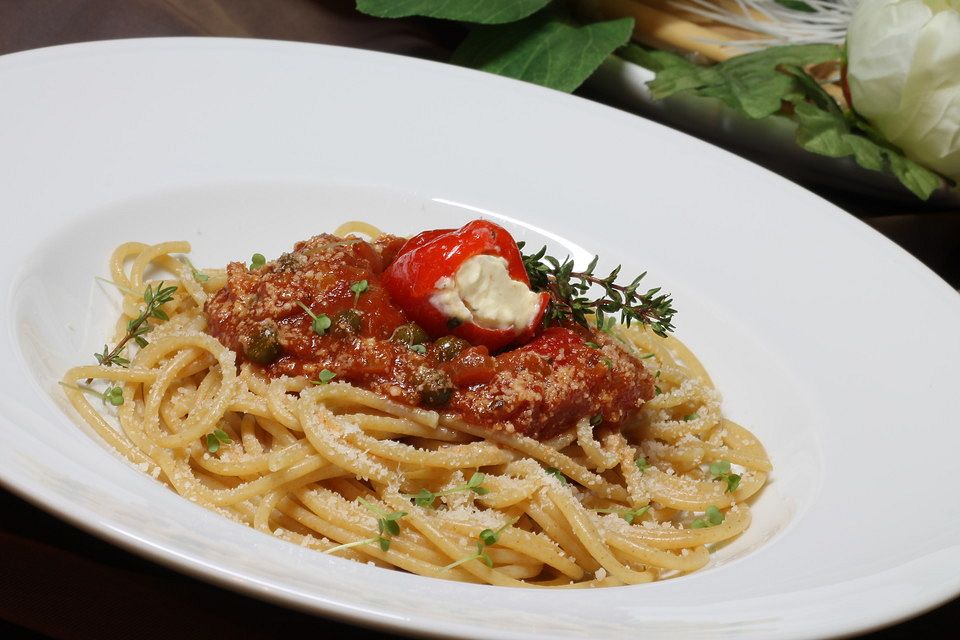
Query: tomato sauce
[[539, 389]]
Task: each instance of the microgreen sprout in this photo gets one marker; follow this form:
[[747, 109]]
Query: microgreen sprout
[[387, 527], [642, 464], [486, 538], [321, 322], [198, 275], [217, 438], [111, 395], [711, 518], [324, 377], [691, 416], [257, 261], [627, 514], [426, 498], [720, 470], [358, 288], [556, 473], [154, 299]]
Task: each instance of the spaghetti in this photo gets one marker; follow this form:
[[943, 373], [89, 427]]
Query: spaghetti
[[353, 472]]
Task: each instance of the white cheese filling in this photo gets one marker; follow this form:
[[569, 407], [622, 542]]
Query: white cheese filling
[[482, 292]]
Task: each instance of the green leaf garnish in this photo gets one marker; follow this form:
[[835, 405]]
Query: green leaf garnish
[[320, 321], [487, 538], [592, 345], [691, 416], [112, 395], [556, 473], [477, 11], [417, 348], [426, 498], [627, 514], [358, 288], [547, 48], [642, 464], [720, 470], [796, 5], [387, 527], [711, 518], [324, 377], [217, 438], [257, 261], [198, 275]]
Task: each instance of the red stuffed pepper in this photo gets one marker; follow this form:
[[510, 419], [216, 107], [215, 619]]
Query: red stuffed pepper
[[469, 282]]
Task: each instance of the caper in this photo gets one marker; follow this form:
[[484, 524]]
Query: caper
[[264, 346], [435, 386], [346, 323], [410, 333], [449, 347]]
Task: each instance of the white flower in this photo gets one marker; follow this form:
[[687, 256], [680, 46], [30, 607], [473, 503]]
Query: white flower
[[903, 68]]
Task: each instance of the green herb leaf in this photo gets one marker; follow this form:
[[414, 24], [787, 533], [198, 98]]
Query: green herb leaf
[[642, 464], [213, 445], [417, 348], [796, 5], [758, 85], [113, 395], [320, 321], [632, 514], [478, 11], [358, 288], [592, 345], [222, 436], [711, 518], [751, 83], [424, 498], [829, 134], [257, 261], [196, 273], [691, 416], [545, 48], [720, 470], [324, 377], [556, 473]]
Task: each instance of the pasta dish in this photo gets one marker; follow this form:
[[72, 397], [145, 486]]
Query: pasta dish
[[444, 405]]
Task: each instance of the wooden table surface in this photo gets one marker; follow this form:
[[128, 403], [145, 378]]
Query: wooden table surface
[[59, 582]]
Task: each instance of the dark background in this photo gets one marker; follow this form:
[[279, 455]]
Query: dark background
[[59, 582]]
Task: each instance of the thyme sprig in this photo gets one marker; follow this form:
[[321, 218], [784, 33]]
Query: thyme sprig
[[426, 498], [569, 300], [138, 327]]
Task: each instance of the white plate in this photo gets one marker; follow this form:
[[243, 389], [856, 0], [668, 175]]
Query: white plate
[[840, 350]]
